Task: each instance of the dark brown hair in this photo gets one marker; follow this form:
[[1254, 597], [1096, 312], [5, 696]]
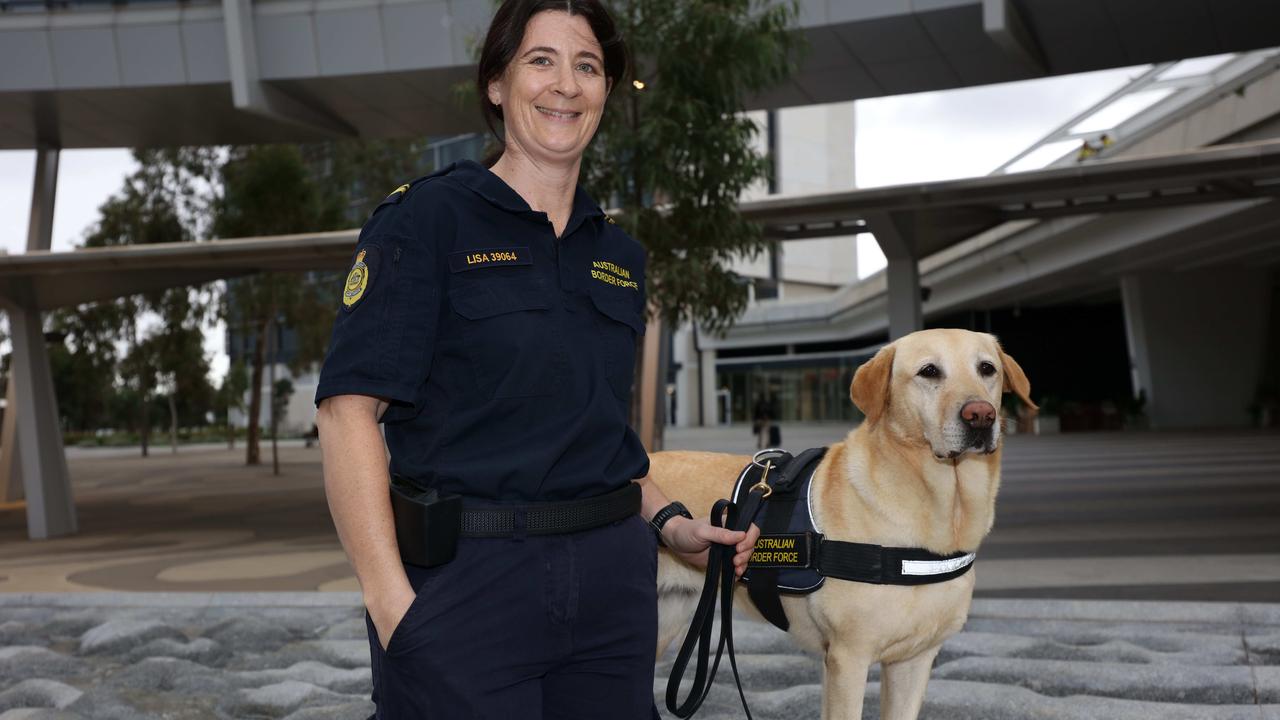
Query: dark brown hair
[[506, 32]]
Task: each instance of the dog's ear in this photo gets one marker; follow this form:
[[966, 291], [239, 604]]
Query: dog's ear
[[870, 388], [1015, 381]]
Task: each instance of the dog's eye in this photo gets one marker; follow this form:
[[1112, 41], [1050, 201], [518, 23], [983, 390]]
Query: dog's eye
[[987, 369], [929, 371]]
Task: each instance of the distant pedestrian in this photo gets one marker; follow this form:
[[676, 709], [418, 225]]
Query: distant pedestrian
[[762, 421]]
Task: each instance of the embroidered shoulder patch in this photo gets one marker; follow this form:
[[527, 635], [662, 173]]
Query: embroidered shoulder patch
[[360, 277], [612, 274], [476, 259]]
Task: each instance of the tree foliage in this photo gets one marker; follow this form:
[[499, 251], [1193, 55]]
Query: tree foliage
[[676, 155], [269, 190], [139, 345]]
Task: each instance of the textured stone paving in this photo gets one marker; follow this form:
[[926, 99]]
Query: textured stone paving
[[305, 656]]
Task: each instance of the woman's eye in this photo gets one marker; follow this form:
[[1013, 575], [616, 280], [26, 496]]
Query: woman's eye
[[987, 369], [541, 60], [587, 68], [929, 371]]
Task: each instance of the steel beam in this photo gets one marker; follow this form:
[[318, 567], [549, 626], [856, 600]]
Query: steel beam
[[250, 93]]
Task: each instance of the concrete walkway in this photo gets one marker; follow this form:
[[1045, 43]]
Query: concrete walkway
[[1187, 516]]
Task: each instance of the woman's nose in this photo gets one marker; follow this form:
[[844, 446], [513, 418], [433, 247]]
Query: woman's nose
[[567, 83]]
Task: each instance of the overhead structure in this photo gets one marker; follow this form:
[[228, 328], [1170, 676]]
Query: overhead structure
[[205, 72], [915, 221]]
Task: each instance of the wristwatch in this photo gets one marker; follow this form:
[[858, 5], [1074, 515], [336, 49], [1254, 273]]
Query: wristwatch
[[661, 517]]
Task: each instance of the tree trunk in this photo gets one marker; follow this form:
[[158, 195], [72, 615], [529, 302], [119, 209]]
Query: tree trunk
[[252, 456], [271, 396], [146, 426], [173, 422]]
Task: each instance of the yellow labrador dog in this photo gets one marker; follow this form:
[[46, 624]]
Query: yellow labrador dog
[[921, 472]]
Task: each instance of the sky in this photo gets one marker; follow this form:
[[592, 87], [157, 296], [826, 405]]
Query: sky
[[906, 138]]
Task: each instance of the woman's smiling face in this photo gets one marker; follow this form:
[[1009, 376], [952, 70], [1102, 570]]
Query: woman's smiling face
[[552, 93]]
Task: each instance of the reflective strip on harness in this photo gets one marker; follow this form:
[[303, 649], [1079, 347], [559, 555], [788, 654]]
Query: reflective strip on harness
[[936, 567]]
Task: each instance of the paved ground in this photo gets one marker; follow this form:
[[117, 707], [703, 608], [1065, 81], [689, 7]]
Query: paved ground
[[1147, 516], [304, 656], [1187, 516]]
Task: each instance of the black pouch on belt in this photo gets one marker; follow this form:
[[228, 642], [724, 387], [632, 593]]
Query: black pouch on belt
[[427, 524]]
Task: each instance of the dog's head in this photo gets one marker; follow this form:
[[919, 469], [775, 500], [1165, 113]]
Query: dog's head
[[942, 387]]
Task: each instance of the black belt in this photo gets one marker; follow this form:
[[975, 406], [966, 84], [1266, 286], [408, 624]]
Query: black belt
[[551, 518], [428, 524]]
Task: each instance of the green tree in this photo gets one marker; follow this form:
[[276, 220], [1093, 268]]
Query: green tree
[[364, 171], [675, 149], [83, 363], [269, 190], [166, 199], [281, 391], [231, 397]]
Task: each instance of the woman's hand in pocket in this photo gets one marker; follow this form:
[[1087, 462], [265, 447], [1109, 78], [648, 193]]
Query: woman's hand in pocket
[[388, 608]]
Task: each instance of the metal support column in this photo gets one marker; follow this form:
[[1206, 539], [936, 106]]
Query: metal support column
[[39, 237], [43, 467], [903, 274]]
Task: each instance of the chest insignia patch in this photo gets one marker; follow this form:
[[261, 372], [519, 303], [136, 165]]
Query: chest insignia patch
[[611, 274], [359, 278], [475, 259]]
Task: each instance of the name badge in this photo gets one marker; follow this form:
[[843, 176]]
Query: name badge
[[475, 259], [781, 551]]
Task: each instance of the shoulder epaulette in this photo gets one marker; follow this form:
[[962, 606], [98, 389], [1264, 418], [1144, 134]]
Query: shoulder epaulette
[[403, 191]]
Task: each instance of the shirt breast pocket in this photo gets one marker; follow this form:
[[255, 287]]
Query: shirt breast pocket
[[510, 339], [620, 324]]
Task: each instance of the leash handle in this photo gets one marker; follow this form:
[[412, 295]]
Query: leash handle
[[719, 573]]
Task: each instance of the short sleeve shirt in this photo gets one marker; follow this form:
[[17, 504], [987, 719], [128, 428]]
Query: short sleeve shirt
[[507, 354]]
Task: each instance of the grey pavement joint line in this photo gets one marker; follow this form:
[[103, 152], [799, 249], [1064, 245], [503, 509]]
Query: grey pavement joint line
[[1253, 672]]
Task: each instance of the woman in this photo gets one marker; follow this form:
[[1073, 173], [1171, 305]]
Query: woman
[[489, 322]]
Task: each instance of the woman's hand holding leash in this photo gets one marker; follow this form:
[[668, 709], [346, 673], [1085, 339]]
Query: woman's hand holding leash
[[691, 539]]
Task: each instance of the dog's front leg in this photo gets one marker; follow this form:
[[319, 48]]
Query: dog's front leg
[[902, 686], [845, 683]]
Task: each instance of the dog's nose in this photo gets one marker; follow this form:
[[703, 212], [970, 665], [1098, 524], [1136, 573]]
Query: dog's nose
[[978, 414]]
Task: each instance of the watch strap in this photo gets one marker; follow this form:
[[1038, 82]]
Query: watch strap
[[661, 517]]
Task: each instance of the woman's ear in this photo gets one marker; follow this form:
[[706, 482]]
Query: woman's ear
[[495, 93]]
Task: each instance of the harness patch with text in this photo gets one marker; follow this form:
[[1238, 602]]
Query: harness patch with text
[[785, 550], [476, 259], [611, 274]]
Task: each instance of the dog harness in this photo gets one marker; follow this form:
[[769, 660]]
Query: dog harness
[[792, 556]]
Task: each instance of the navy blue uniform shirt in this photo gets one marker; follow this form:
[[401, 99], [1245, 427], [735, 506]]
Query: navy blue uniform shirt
[[507, 354]]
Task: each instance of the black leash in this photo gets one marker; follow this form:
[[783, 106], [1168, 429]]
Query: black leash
[[721, 580]]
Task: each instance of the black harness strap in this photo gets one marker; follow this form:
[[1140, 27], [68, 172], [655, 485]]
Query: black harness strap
[[862, 562], [720, 580], [763, 588]]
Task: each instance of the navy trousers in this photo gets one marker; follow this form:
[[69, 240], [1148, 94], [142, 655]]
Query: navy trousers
[[553, 627]]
